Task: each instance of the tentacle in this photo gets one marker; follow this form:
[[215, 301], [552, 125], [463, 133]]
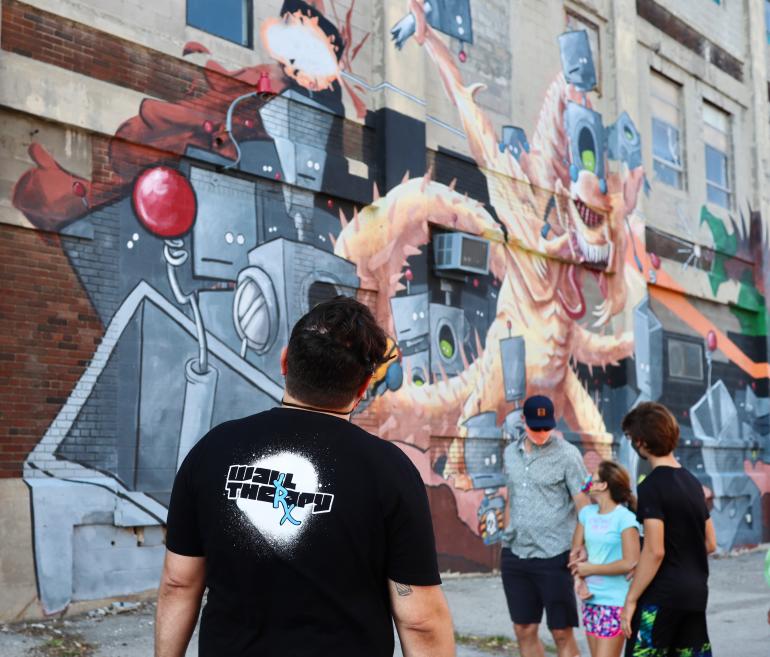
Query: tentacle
[[384, 234], [600, 350]]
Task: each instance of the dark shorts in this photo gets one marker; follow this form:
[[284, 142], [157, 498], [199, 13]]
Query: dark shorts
[[662, 631], [532, 585]]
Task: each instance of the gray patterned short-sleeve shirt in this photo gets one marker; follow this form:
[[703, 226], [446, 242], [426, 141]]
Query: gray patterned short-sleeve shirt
[[541, 484]]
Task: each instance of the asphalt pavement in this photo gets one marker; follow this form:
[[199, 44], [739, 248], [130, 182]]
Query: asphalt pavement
[[737, 615]]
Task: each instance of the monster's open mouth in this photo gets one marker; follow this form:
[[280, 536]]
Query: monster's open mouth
[[591, 218], [596, 256]]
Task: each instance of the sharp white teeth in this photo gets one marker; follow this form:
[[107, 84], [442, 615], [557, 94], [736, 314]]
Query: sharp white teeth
[[595, 254], [583, 245]]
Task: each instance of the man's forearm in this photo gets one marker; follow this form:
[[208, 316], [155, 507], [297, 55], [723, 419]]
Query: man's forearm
[[649, 563], [175, 620]]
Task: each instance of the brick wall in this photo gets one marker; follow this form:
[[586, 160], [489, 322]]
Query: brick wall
[[77, 47], [49, 333]]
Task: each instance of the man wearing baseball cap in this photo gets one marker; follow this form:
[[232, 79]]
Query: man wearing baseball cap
[[544, 475]]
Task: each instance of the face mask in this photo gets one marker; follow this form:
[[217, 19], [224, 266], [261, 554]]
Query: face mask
[[636, 449]]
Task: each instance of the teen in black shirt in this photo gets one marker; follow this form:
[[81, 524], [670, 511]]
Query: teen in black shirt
[[311, 535], [665, 609]]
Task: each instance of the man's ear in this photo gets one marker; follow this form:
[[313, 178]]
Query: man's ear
[[284, 360]]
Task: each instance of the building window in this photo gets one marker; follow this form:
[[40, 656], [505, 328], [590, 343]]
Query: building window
[[716, 135], [685, 359], [229, 19], [667, 131], [576, 23]]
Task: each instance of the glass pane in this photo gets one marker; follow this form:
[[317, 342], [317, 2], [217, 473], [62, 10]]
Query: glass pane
[[716, 167], [666, 175], [715, 117], [665, 142], [225, 18], [716, 138], [665, 111], [664, 89], [718, 196]]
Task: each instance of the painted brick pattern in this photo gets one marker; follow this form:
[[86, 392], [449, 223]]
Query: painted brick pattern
[[92, 439]]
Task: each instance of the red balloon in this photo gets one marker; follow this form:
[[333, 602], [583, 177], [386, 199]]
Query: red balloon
[[462, 56], [164, 202], [711, 341], [208, 126], [475, 282], [408, 275], [655, 260]]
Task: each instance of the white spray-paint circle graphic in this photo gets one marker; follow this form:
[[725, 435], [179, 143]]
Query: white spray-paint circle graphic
[[265, 517]]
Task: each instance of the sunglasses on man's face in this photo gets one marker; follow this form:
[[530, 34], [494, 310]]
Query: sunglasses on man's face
[[539, 429]]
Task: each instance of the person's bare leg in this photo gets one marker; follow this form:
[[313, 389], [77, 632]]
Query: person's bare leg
[[609, 647], [592, 641], [566, 646], [528, 640]]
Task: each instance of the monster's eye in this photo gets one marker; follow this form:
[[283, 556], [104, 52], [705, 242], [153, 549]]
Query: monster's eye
[[589, 160], [418, 380], [587, 148], [628, 133]]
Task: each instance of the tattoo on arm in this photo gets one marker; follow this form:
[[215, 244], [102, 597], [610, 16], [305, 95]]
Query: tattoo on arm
[[403, 589]]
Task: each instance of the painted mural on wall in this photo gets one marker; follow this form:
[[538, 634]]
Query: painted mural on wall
[[221, 229]]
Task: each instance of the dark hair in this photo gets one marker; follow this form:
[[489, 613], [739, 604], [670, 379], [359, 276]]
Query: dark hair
[[332, 350], [654, 427], [618, 483]]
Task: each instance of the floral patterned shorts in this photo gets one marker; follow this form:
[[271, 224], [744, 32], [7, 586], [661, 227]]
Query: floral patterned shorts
[[602, 620]]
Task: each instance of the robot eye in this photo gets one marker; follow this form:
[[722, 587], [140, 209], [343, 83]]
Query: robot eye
[[414, 317]]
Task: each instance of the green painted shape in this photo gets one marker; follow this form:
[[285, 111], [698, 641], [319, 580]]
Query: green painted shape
[[447, 349], [724, 242], [589, 160]]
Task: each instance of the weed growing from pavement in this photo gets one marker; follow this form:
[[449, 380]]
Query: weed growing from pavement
[[58, 642], [494, 645]]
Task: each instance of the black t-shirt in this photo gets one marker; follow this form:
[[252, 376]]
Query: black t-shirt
[[302, 518], [675, 496]]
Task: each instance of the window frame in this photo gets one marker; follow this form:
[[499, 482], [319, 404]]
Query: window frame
[[249, 20], [681, 170], [728, 155]]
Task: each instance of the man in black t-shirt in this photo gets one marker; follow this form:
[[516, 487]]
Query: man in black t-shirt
[[311, 535], [665, 609]]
